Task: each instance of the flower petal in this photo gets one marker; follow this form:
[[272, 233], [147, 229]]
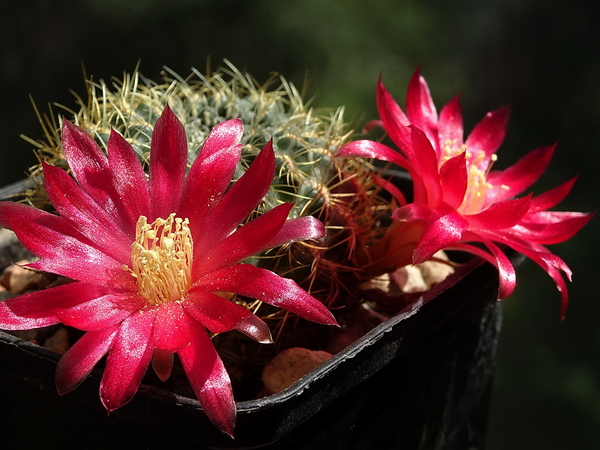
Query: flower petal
[[551, 198], [296, 230], [454, 180], [80, 359], [162, 363], [63, 250], [81, 211], [394, 120], [9, 320], [169, 333], [253, 327], [209, 379], [130, 182], [213, 311], [420, 108], [224, 135], [426, 180], [518, 177], [371, 149], [450, 126], [488, 134], [128, 360], [443, 228], [89, 164], [239, 201], [39, 308], [501, 215], [101, 312], [264, 285], [506, 271], [168, 162], [551, 227], [205, 184], [244, 242]]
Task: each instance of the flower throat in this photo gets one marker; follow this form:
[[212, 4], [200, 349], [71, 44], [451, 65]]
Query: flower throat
[[477, 170], [161, 258]]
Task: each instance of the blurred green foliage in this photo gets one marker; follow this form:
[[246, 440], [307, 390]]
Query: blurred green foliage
[[541, 56]]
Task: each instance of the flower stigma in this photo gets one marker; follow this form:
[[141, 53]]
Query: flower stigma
[[161, 259], [477, 170]]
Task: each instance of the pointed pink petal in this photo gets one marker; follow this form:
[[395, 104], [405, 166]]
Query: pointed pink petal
[[420, 108], [550, 227], [394, 120], [80, 359], [168, 162], [506, 271], [224, 135], [205, 185], [487, 136], [246, 241], [239, 201], [371, 124], [551, 198], [500, 215], [424, 158], [39, 308], [372, 149], [213, 311], [128, 360], [99, 313], [209, 379], [553, 266], [88, 164], [9, 320], [518, 177], [296, 230], [444, 227], [264, 285], [454, 180], [253, 327], [78, 208], [450, 125], [62, 249], [162, 363], [130, 182], [169, 333], [550, 263], [412, 212]]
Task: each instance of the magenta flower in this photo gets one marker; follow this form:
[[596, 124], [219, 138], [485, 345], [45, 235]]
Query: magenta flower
[[150, 256], [458, 199]]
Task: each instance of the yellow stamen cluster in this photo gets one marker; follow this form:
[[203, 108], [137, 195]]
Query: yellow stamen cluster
[[161, 259], [477, 184]]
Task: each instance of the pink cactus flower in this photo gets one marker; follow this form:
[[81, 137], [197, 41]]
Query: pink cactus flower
[[458, 200], [149, 256]]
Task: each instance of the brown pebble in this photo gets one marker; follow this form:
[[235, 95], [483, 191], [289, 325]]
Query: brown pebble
[[289, 366], [19, 280]]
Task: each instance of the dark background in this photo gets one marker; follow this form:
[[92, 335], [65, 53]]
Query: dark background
[[543, 57]]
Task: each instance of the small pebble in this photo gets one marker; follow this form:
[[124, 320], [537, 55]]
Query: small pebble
[[289, 366]]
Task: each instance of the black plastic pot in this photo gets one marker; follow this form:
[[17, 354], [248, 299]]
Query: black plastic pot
[[420, 380]]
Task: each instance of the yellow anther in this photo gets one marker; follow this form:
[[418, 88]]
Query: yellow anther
[[161, 259]]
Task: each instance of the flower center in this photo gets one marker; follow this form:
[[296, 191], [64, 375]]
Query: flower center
[[477, 168], [161, 259]]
